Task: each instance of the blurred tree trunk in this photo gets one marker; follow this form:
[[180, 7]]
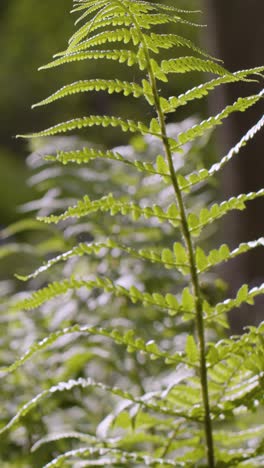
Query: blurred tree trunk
[[236, 35]]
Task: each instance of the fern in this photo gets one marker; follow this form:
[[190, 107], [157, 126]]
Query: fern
[[200, 384]]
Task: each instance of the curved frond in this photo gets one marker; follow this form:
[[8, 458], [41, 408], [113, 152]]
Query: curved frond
[[111, 86], [207, 216], [91, 121], [87, 154], [82, 383], [110, 456], [244, 295], [198, 130], [127, 57], [198, 92], [168, 302], [196, 177], [164, 256], [132, 342], [123, 35], [113, 206], [167, 41], [223, 254], [189, 64]]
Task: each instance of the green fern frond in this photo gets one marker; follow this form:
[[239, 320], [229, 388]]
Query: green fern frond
[[87, 154], [127, 57], [168, 302], [166, 257], [244, 295], [91, 121], [123, 35], [111, 86], [118, 457], [189, 64], [114, 206], [198, 92], [161, 6], [92, 9], [133, 344], [223, 254], [155, 42], [83, 384], [80, 436], [198, 130], [235, 150], [88, 8], [217, 211], [202, 175], [229, 439], [134, 12]]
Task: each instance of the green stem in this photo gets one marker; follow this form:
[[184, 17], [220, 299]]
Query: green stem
[[194, 275], [190, 249]]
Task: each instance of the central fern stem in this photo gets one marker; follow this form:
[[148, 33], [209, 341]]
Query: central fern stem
[[194, 276], [190, 249]]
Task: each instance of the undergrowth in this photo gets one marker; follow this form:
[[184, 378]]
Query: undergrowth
[[137, 345]]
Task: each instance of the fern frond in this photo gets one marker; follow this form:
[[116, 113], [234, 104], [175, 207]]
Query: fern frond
[[127, 57], [123, 35], [111, 86], [140, 4], [189, 63], [118, 457], [153, 41], [91, 9], [80, 436], [203, 174], [120, 20], [244, 393], [217, 211], [161, 6], [144, 21], [128, 339], [114, 206], [106, 10], [88, 8], [168, 302], [83, 384], [198, 92], [223, 254], [87, 154], [91, 121], [229, 438], [165, 256], [235, 150], [198, 130], [244, 295], [167, 41]]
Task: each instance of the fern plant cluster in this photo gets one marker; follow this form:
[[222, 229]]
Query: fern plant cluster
[[139, 349]]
